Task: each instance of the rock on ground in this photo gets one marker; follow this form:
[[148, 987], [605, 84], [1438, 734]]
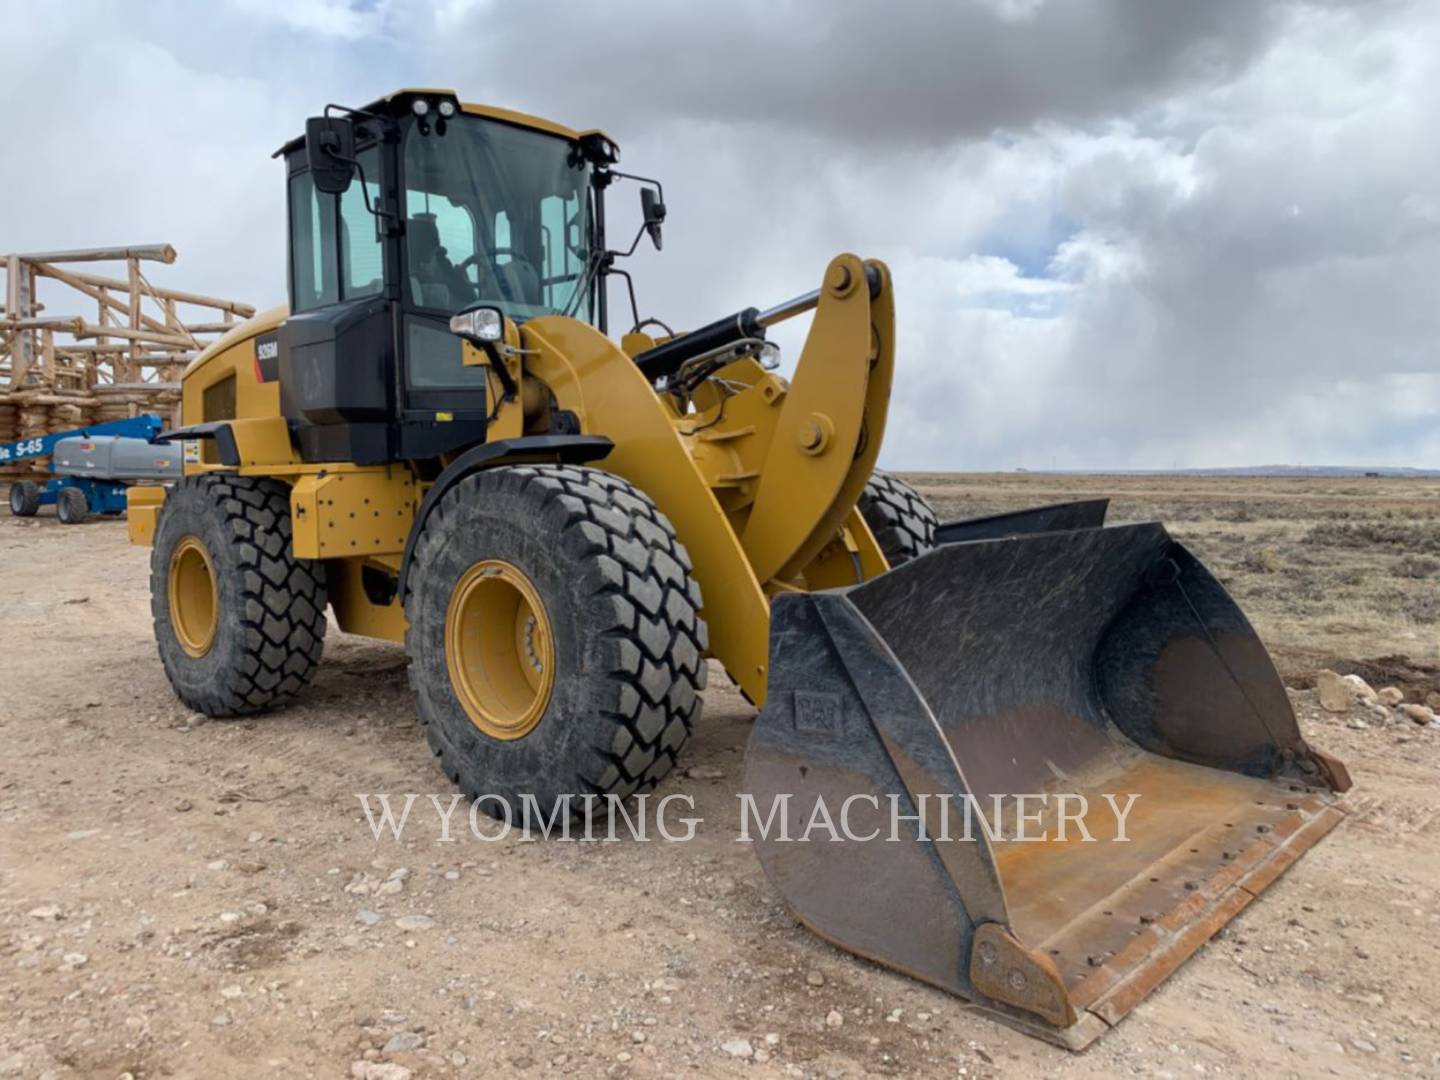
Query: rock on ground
[[1336, 695]]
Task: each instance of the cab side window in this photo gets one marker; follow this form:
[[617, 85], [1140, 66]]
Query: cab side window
[[315, 280], [335, 249], [360, 251]]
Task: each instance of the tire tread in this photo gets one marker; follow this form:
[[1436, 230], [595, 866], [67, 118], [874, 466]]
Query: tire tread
[[640, 603], [283, 600], [902, 521]]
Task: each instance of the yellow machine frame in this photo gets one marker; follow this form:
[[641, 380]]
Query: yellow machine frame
[[759, 474]]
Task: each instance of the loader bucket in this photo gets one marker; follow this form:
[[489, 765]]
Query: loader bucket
[[1094, 662]]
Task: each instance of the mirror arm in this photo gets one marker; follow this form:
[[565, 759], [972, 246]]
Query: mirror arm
[[633, 245], [614, 175], [385, 124], [376, 210], [643, 180], [605, 262]]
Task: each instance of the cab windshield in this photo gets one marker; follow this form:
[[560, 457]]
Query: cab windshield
[[496, 214]]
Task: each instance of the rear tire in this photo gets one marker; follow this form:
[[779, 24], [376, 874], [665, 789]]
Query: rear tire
[[24, 498], [71, 506], [622, 635], [253, 640], [898, 515]]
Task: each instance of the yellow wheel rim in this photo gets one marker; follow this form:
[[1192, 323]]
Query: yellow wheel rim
[[499, 649], [194, 596]]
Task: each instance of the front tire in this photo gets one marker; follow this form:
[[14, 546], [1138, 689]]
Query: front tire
[[239, 621], [71, 507], [902, 521], [24, 498], [556, 645]]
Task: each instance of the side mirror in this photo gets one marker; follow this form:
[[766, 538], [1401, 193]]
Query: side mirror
[[330, 152], [654, 212]]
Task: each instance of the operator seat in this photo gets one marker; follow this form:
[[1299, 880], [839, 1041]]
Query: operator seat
[[518, 280], [434, 280]]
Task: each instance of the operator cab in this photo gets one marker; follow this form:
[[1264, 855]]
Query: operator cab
[[402, 214]]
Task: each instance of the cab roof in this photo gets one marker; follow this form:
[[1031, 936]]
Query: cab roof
[[387, 104]]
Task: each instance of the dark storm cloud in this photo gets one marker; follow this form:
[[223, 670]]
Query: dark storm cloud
[[872, 74], [1133, 233], [1226, 204]]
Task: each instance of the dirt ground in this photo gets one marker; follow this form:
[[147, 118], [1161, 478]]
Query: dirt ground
[[188, 899]]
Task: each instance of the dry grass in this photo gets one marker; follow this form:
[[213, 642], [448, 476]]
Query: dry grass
[[1341, 573]]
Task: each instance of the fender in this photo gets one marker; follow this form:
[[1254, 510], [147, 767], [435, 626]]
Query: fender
[[241, 443], [567, 449], [218, 430]]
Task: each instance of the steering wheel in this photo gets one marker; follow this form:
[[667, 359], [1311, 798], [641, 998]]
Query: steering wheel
[[515, 253], [517, 256]]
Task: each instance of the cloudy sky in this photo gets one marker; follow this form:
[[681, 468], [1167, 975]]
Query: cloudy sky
[[1125, 233]]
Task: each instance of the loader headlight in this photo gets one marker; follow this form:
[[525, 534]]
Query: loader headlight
[[447, 109], [420, 106], [479, 324]]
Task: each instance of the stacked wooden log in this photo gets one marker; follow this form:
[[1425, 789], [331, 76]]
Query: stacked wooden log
[[116, 403], [37, 411], [59, 371]]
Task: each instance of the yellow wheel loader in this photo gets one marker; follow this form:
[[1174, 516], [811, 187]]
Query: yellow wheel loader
[[438, 442]]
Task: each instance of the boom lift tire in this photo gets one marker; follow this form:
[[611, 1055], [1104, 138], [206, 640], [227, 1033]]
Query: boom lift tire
[[898, 515], [71, 507], [240, 622], [24, 498], [595, 682]]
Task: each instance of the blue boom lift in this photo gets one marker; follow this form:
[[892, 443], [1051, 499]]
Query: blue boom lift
[[91, 467]]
